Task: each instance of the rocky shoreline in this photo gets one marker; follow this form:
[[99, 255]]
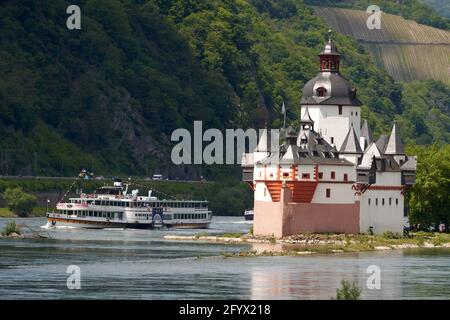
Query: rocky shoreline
[[306, 244], [13, 235]]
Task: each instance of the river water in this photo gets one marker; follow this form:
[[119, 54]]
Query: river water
[[140, 264]]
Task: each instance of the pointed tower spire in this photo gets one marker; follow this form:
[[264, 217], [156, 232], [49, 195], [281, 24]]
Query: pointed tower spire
[[394, 145], [306, 118], [366, 134], [263, 143], [351, 143], [306, 122]]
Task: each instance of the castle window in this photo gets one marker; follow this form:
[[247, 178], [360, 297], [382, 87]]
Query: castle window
[[305, 175], [340, 109], [390, 201], [382, 201], [332, 140], [328, 193], [369, 201], [320, 175], [345, 177], [333, 175], [285, 174], [376, 201], [321, 92], [396, 201], [356, 113]]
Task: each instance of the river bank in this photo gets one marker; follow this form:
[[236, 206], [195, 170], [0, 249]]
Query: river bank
[[36, 212], [304, 244]]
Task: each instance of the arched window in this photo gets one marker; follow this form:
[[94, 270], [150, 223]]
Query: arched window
[[321, 92]]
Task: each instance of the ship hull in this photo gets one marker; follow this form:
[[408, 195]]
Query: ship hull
[[188, 226], [89, 224]]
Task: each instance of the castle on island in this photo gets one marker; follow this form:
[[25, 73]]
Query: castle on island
[[329, 175]]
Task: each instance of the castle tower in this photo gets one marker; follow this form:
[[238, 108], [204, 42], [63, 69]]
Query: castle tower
[[331, 101]]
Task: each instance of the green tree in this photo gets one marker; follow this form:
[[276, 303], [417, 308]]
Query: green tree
[[10, 228], [430, 197], [348, 291], [19, 202]]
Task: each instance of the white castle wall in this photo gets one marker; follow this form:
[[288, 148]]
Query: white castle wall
[[330, 123], [339, 172], [389, 179], [387, 216], [261, 192], [382, 217], [305, 169], [339, 193]]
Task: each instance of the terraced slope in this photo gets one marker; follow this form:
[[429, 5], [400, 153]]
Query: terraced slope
[[407, 50]]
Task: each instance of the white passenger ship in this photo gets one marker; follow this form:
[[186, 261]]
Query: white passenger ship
[[114, 207]]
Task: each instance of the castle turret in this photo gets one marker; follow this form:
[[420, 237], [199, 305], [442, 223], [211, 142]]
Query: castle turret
[[350, 149], [394, 146], [331, 100], [366, 136]]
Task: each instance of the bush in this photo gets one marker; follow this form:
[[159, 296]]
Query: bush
[[10, 228], [348, 291], [391, 235], [19, 202]]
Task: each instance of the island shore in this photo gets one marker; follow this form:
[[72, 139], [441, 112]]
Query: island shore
[[306, 244]]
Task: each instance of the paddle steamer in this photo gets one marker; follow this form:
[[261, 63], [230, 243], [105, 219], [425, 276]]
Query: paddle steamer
[[114, 207]]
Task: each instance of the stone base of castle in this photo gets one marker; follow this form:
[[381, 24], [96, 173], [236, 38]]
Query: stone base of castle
[[285, 218]]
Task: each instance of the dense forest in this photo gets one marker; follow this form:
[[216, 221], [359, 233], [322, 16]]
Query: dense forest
[[108, 96]]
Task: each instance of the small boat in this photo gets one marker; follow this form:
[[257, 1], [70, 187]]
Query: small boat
[[248, 215], [114, 207]]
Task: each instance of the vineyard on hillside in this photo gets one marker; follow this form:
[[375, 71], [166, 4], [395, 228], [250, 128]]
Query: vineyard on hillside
[[407, 50]]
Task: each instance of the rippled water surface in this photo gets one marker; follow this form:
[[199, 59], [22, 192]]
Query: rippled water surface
[[140, 264]]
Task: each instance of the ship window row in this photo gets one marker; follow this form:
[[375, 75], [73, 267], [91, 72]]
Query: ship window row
[[96, 214], [137, 204], [189, 216], [383, 201], [143, 215]]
